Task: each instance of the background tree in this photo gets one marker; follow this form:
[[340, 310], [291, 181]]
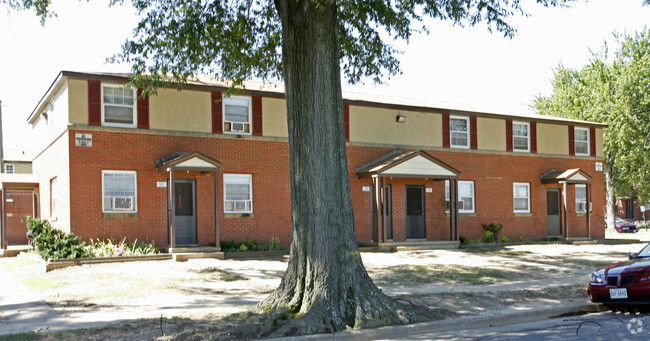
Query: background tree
[[616, 93], [307, 44]]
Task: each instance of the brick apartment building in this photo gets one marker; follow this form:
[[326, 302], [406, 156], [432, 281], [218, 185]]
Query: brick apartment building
[[106, 158]]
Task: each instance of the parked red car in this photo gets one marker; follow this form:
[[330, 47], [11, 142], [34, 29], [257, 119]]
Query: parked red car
[[623, 282], [623, 226]]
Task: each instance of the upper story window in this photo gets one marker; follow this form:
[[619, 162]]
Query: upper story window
[[119, 191], [581, 138], [118, 106], [9, 168], [520, 137], [237, 115], [521, 197], [465, 196], [459, 131], [238, 193]]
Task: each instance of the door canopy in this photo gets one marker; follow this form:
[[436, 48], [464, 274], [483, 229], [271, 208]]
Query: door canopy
[[569, 176], [194, 161], [414, 164]]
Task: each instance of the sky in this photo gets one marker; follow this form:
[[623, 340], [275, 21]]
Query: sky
[[468, 66]]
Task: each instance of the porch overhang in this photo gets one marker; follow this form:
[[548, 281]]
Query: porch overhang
[[182, 161], [573, 176], [194, 161], [569, 176], [414, 164]]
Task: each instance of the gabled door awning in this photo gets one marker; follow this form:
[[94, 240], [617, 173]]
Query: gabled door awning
[[194, 161], [570, 176], [182, 161], [414, 164]]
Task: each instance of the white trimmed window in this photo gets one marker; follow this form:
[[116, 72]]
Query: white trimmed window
[[581, 139], [521, 197], [54, 193], [459, 132], [238, 193], [581, 198], [9, 168], [237, 115], [520, 136], [465, 196], [118, 106], [119, 191]]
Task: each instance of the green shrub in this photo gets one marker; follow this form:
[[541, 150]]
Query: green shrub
[[250, 245], [52, 243], [463, 240], [504, 239], [489, 237], [494, 229]]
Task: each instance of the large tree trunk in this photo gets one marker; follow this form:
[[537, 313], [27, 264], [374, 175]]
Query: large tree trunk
[[326, 284], [610, 204]]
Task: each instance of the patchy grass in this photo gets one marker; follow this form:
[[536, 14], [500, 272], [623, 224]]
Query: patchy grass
[[410, 275], [41, 284], [214, 274]]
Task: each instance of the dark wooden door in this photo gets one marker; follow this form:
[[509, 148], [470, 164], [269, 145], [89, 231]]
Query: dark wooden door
[[415, 212]]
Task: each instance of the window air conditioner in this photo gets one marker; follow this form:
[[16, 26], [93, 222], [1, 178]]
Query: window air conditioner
[[122, 203], [236, 127]]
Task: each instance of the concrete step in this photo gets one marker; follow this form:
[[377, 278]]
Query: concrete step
[[184, 257], [192, 249], [438, 246]]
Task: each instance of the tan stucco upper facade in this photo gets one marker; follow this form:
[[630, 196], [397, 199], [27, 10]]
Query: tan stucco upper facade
[[185, 110], [491, 134], [379, 125], [552, 139], [190, 111]]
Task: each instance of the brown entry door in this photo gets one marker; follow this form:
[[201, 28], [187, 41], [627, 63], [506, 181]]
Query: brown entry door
[[415, 212], [185, 218], [19, 205], [553, 219]]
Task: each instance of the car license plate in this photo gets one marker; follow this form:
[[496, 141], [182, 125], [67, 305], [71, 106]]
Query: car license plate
[[618, 293]]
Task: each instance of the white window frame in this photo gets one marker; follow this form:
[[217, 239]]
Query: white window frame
[[527, 137], [134, 123], [452, 132], [448, 200], [53, 197], [10, 166], [582, 200], [576, 142], [514, 196], [250, 116], [135, 192], [250, 191]]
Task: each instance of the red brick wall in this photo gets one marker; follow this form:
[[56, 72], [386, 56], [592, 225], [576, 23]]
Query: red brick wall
[[493, 176], [267, 161]]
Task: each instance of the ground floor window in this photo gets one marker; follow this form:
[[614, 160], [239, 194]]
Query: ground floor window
[[119, 191], [238, 193], [465, 196], [53, 197], [521, 197], [581, 198]]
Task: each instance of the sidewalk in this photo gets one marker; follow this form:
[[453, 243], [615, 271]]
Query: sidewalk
[[21, 310]]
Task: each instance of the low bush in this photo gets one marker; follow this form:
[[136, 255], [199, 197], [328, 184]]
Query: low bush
[[52, 243], [250, 245], [113, 248], [492, 232]]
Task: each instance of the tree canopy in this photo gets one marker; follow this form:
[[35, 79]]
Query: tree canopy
[[615, 92]]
